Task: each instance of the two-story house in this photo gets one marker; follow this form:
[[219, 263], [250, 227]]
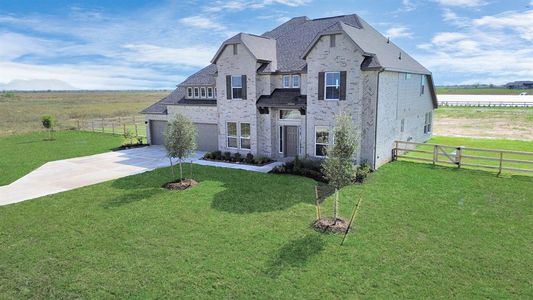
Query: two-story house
[[278, 94]]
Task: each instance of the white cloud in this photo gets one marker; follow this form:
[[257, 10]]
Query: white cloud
[[408, 5], [492, 49], [399, 32], [239, 5], [202, 22], [189, 56], [467, 3]]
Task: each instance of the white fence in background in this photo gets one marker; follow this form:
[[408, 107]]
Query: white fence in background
[[486, 100]]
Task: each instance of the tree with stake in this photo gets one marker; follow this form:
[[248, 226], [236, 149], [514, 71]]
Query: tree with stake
[[339, 167], [180, 141], [48, 123]]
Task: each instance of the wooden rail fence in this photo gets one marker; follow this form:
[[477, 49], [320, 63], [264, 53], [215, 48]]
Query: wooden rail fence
[[500, 160], [116, 126]]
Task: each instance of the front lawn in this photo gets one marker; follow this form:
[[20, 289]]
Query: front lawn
[[422, 232], [21, 154]]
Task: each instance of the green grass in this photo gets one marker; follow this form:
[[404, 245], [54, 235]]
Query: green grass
[[422, 232], [21, 154], [480, 91], [496, 144], [509, 113], [22, 111]]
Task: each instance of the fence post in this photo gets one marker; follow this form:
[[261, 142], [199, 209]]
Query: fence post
[[435, 154], [501, 164], [458, 155], [79, 127], [102, 125], [136, 131], [124, 125], [92, 122], [113, 127], [395, 151]]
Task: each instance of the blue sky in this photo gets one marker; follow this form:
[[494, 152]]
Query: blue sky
[[156, 44]]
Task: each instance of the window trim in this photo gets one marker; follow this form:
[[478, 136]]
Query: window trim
[[299, 80], [288, 81], [326, 86], [422, 85], [328, 131], [249, 138], [189, 92], [210, 92], [203, 92], [294, 110], [280, 140], [428, 120], [196, 93], [236, 137], [232, 88]]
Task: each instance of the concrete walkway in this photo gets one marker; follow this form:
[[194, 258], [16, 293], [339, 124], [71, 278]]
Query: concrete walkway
[[64, 175]]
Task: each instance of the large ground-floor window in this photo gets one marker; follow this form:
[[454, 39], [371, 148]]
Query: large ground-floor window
[[231, 133], [245, 136], [321, 140], [238, 135]]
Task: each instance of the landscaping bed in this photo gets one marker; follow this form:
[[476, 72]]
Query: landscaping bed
[[237, 158]]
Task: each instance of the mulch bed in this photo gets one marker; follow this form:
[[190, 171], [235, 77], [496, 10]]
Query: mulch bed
[[180, 185], [126, 147], [326, 225], [238, 162]]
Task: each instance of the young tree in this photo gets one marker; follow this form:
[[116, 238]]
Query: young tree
[[339, 167], [180, 140], [48, 123]]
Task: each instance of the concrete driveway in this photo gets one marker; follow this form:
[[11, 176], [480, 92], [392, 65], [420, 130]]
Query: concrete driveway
[[63, 175]]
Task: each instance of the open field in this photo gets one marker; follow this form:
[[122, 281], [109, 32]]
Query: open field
[[480, 91], [495, 122], [21, 154], [421, 231], [22, 111]]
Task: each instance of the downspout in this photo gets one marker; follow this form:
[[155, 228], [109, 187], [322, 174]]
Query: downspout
[[376, 121]]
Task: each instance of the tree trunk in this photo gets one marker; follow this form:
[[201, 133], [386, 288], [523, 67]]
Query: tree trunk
[[181, 171], [172, 168], [335, 206]]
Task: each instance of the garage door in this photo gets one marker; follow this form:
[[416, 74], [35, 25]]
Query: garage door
[[207, 138], [157, 132]]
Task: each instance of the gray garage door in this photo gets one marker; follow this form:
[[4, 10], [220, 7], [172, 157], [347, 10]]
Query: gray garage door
[[207, 139], [157, 132]]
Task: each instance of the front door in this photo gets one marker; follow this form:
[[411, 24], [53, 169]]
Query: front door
[[291, 140]]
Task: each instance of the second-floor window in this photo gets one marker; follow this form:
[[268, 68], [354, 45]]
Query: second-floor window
[[422, 84], [189, 92], [236, 87], [196, 92], [202, 92], [332, 85], [286, 81], [295, 81], [209, 92]]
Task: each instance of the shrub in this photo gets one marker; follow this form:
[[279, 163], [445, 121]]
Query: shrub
[[261, 160], [208, 155], [217, 155], [362, 173], [48, 122], [306, 167], [237, 157], [140, 140], [227, 156], [249, 158]]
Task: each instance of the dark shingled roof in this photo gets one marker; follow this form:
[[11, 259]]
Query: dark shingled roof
[[283, 98]]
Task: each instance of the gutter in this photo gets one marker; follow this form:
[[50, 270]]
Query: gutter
[[376, 120]]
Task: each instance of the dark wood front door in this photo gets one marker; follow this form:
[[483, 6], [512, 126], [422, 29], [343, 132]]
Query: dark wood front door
[[291, 140]]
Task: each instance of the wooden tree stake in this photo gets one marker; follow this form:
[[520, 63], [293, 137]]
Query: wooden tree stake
[[356, 208]]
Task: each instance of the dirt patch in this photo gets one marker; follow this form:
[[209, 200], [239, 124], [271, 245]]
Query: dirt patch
[[180, 185], [126, 147], [494, 128], [327, 225]]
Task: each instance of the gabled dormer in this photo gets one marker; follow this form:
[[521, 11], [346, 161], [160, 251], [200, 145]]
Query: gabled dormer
[[262, 49]]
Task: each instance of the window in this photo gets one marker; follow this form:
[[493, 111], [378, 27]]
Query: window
[[202, 92], [281, 139], [407, 76], [286, 114], [422, 84], [427, 122], [332, 41], [321, 140], [196, 92], [209, 92], [402, 125], [332, 86], [235, 49], [231, 132], [295, 81], [286, 81], [189, 92], [236, 87], [245, 136]]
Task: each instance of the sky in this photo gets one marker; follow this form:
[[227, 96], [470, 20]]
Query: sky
[[157, 44]]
